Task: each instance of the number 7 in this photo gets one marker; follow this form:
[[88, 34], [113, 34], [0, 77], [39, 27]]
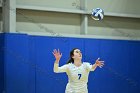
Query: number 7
[[79, 76]]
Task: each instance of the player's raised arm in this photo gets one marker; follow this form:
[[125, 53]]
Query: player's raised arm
[[98, 63], [58, 56]]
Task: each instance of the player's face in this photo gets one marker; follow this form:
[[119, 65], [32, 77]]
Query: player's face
[[77, 54]]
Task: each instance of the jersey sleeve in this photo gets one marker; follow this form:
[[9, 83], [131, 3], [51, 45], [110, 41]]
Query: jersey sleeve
[[61, 69], [89, 66]]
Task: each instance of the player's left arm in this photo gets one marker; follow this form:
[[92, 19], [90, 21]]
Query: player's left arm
[[97, 64]]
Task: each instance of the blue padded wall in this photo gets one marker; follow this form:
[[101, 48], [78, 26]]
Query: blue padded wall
[[1, 63], [17, 63], [29, 64]]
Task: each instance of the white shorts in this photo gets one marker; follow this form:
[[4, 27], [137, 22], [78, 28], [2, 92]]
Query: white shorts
[[70, 89]]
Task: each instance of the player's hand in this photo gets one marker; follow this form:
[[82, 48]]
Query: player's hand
[[57, 54], [99, 63]]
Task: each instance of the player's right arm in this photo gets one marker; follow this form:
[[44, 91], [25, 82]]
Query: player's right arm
[[97, 63], [58, 56]]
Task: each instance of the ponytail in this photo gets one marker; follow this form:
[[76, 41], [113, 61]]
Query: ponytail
[[70, 61]]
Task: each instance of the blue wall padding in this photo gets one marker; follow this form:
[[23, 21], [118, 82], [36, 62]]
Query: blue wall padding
[[32, 66], [1, 63], [17, 63], [29, 64]]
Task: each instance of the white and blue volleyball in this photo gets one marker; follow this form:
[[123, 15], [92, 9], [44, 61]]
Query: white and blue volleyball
[[97, 14]]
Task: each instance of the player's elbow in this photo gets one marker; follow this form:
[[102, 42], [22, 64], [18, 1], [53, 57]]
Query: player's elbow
[[55, 71]]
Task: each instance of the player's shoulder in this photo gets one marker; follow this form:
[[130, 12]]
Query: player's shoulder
[[69, 64], [86, 63]]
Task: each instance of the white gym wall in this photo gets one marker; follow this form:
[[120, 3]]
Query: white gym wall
[[122, 18]]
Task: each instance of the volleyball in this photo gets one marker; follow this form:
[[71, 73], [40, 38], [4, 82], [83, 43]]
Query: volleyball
[[97, 14]]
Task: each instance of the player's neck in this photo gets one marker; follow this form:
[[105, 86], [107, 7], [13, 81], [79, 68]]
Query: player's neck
[[77, 63]]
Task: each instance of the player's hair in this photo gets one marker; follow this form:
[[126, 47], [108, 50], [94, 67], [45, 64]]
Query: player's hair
[[71, 60]]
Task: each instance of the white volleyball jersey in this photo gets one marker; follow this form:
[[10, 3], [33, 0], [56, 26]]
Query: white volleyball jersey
[[78, 76]]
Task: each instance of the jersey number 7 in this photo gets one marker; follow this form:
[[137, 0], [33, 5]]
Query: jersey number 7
[[79, 76]]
